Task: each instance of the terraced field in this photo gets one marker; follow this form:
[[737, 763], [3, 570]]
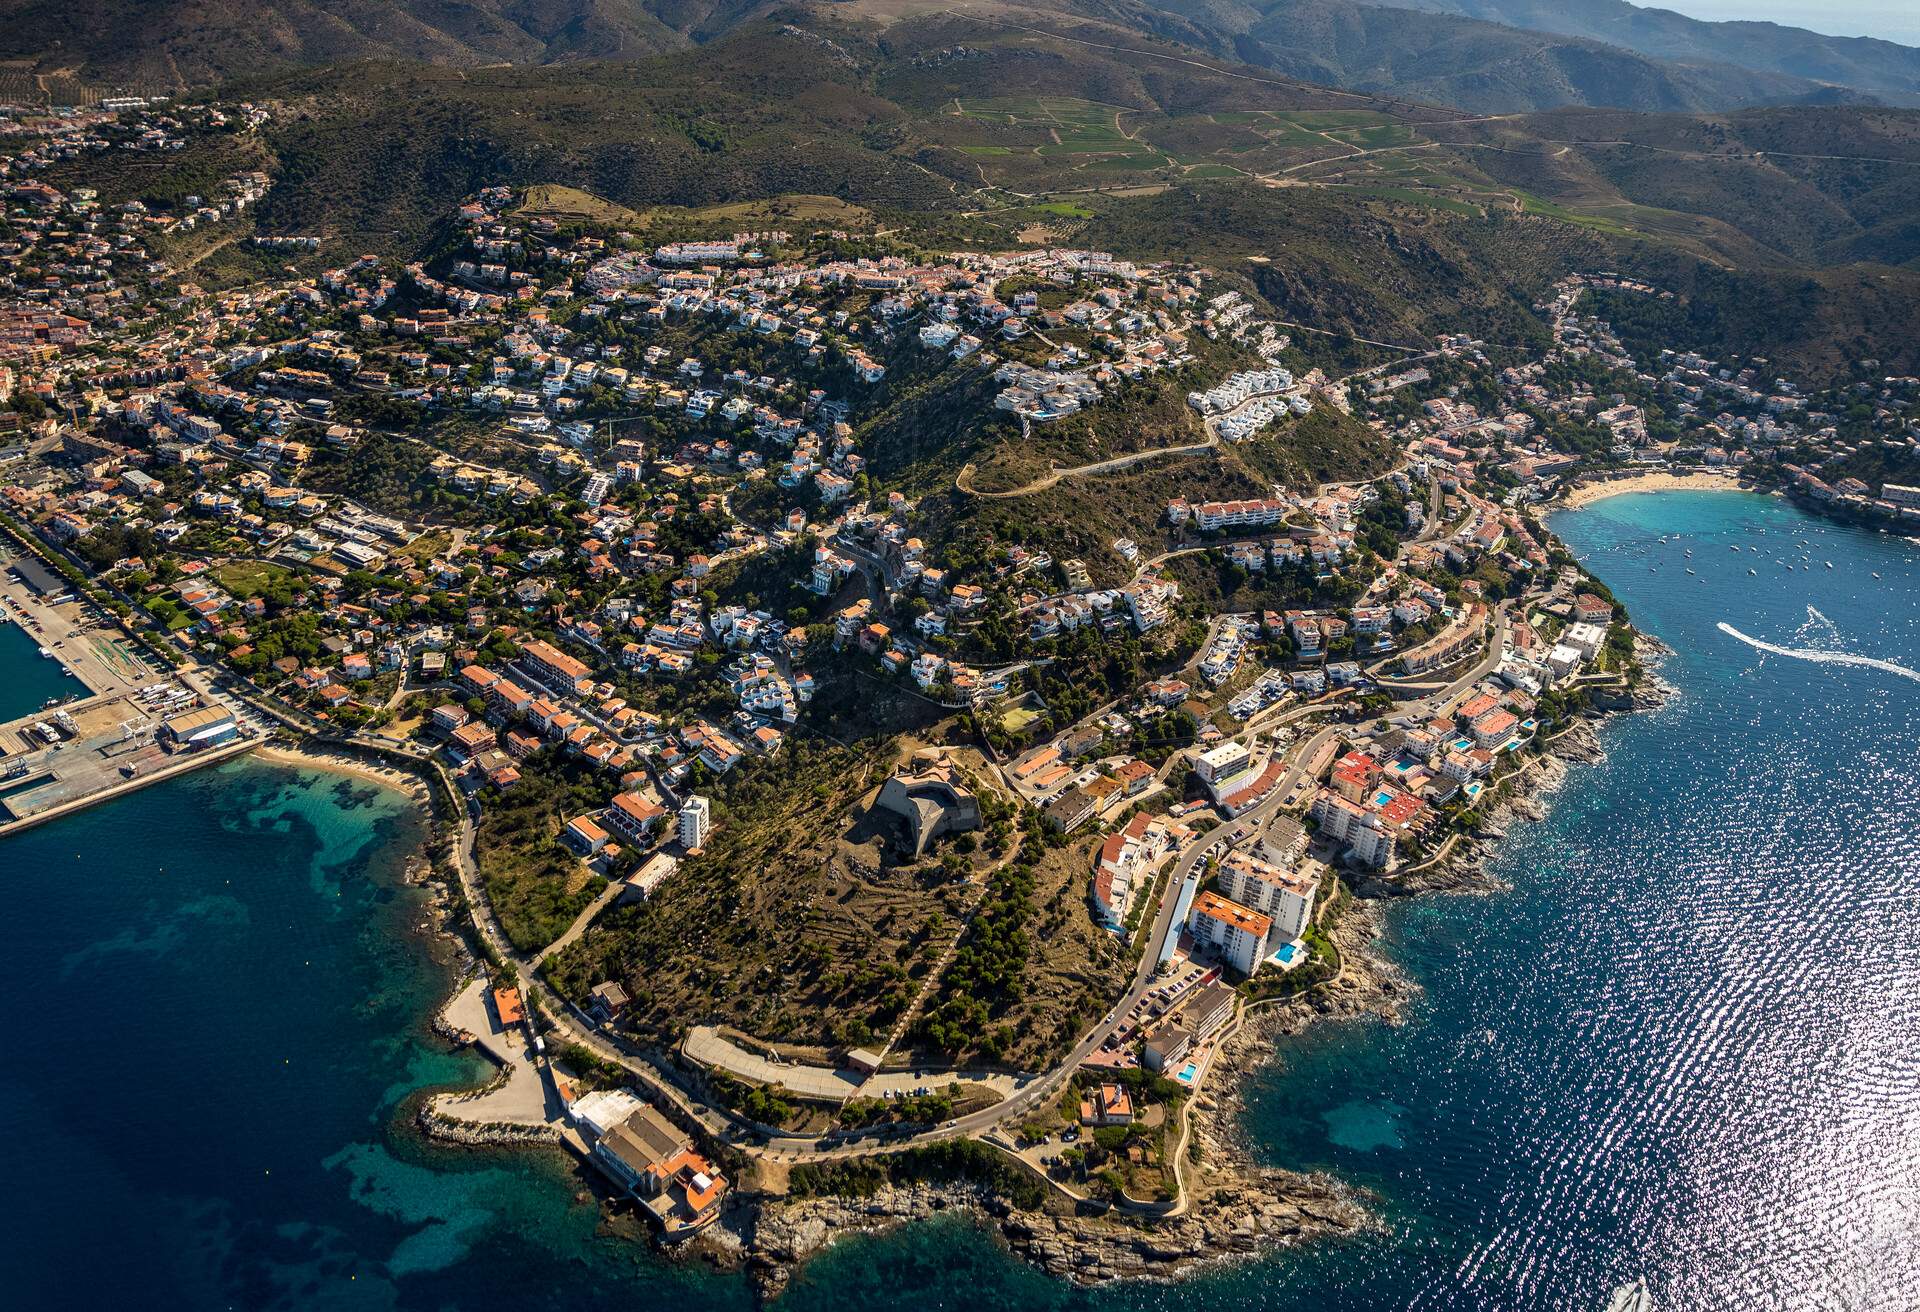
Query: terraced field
[[1081, 133]]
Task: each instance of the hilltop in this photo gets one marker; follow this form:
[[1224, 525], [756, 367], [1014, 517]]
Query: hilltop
[[1354, 214], [1430, 53]]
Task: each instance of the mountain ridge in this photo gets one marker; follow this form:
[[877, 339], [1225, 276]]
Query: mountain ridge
[[1482, 55], [1885, 68], [1467, 62]]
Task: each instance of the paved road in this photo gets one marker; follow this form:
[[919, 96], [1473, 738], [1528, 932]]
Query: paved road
[[1436, 693], [707, 1046], [1164, 927], [964, 479]]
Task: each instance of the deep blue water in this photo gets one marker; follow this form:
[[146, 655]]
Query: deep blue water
[[1685, 1045], [28, 679], [218, 1011]]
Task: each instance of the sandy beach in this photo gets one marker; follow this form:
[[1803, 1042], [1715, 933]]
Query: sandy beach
[[1585, 494], [280, 752]]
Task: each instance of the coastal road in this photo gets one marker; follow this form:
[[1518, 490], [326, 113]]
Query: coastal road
[[1165, 928]]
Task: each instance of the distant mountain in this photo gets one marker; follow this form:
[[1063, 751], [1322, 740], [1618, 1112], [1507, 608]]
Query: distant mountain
[[1490, 56], [177, 43], [1889, 71], [1453, 60]]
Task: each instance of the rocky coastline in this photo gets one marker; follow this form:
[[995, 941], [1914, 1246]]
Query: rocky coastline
[[1235, 1208], [1241, 1214]]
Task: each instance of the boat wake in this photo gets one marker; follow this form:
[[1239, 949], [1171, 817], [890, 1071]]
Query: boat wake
[[1821, 657]]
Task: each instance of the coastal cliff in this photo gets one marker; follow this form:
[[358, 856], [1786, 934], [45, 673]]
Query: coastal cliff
[[1243, 1212]]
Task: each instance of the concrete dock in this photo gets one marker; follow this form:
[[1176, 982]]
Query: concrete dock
[[57, 759]]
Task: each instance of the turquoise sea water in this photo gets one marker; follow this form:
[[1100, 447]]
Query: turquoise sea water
[[219, 1013], [1685, 1045]]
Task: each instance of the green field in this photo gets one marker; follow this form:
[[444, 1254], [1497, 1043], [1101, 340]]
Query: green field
[[1378, 137], [248, 578], [1063, 127], [1018, 718], [1533, 204]]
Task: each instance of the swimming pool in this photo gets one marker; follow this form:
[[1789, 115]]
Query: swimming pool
[[1187, 1073]]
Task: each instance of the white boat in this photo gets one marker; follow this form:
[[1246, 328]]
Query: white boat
[[45, 652], [1753, 571], [1631, 1297], [1829, 564]]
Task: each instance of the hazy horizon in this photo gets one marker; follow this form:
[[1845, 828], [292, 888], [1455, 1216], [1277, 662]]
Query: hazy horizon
[[1890, 20]]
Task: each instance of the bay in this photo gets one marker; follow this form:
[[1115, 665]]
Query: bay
[[221, 1011], [1681, 1046]]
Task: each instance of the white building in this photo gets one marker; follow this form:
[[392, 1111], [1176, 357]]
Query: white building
[[1221, 768], [1587, 639], [696, 821], [1285, 896]]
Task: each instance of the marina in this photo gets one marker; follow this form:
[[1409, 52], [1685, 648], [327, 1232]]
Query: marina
[[90, 717]]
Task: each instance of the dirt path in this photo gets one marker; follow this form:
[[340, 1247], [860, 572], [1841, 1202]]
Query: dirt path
[[227, 240], [964, 479]]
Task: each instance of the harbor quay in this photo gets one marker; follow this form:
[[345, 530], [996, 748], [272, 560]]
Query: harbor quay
[[116, 721]]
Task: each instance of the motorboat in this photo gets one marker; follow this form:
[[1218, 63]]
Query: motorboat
[[1631, 1297]]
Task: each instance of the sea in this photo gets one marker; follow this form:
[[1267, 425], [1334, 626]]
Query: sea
[[28, 680], [1887, 20], [1682, 1044]]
